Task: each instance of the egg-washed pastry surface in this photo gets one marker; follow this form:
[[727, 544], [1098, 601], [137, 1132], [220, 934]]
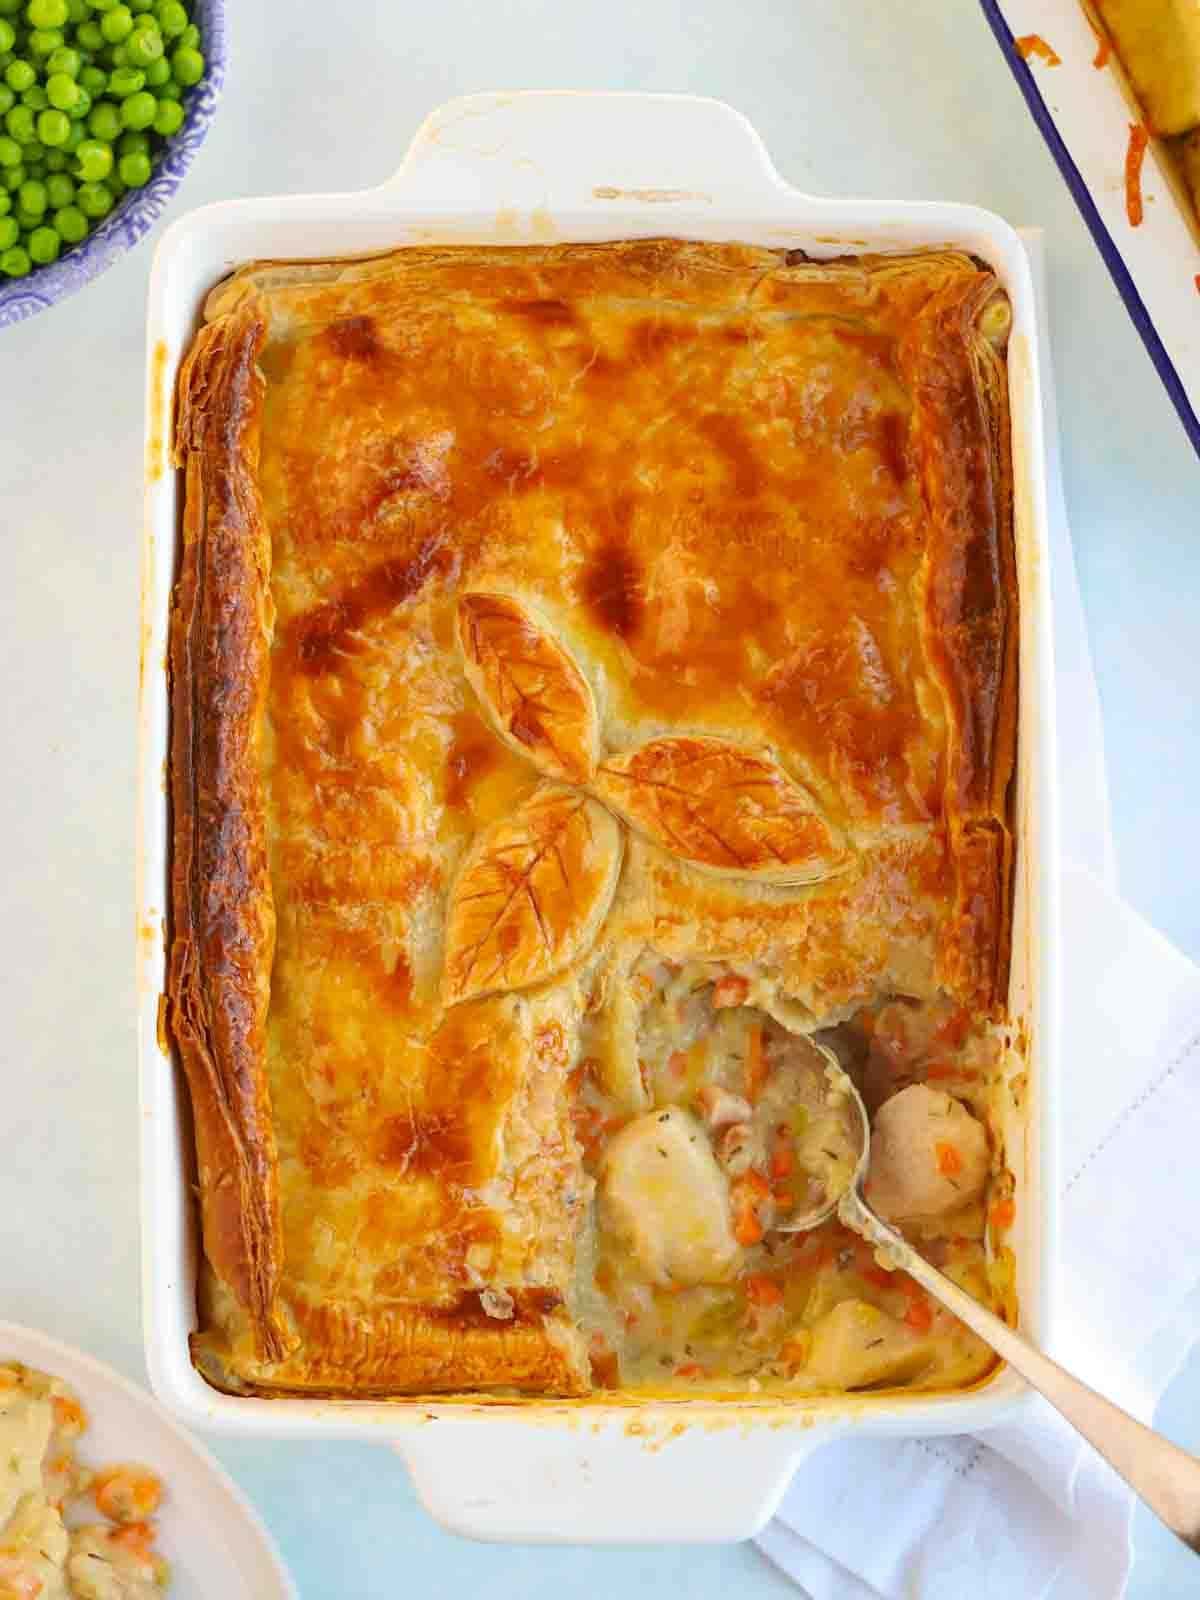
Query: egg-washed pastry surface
[[42, 1557], [593, 688]]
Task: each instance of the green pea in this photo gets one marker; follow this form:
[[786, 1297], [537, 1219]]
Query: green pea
[[65, 59], [10, 152], [89, 35], [55, 161], [13, 177], [168, 119], [60, 191], [19, 75], [124, 81], [76, 10], [128, 143], [31, 196], [187, 66], [20, 123], [83, 104], [15, 262], [104, 121], [5, 202], [35, 98], [27, 220], [71, 223], [53, 127], [94, 80], [172, 18], [169, 91], [8, 35], [93, 160], [76, 136], [138, 110], [46, 13], [102, 5], [157, 73], [10, 232], [145, 46], [9, 8], [62, 92], [190, 36], [134, 169], [140, 5], [7, 99], [45, 41], [44, 245], [117, 24], [7, 57], [94, 199]]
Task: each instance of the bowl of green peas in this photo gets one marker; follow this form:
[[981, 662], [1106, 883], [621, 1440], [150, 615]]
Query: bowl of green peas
[[103, 104]]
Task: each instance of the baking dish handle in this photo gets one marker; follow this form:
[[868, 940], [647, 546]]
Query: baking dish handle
[[531, 1482], [536, 153]]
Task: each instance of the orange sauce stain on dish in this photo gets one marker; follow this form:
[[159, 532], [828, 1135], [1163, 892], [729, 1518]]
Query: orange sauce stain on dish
[[1032, 44], [156, 443]]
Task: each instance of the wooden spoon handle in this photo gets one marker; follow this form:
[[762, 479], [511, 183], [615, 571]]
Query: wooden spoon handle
[[1163, 1475]]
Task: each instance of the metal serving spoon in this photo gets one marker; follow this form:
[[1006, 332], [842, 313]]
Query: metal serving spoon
[[1163, 1475]]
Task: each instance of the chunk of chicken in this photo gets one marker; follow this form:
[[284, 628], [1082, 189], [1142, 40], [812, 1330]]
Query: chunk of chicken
[[721, 1108], [929, 1156], [856, 1345], [662, 1190]]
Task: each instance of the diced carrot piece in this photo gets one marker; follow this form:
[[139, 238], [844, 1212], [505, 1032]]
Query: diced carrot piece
[[747, 1229], [1002, 1214], [763, 1291], [730, 991], [1103, 51], [677, 1063], [879, 1277], [1032, 44], [796, 1350], [1139, 138], [691, 1369], [756, 1183], [137, 1537], [919, 1315], [68, 1413], [606, 1369], [756, 1064], [940, 1069], [784, 1199], [949, 1158], [783, 1157]]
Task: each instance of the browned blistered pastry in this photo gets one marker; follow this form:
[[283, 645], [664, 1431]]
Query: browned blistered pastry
[[593, 674]]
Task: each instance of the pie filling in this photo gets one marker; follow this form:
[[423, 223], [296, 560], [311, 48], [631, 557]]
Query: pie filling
[[593, 690]]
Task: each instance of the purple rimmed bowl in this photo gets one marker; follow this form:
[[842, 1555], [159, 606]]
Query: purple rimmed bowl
[[137, 211]]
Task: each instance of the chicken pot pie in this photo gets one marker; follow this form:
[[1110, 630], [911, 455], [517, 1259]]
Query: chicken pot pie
[[593, 683]]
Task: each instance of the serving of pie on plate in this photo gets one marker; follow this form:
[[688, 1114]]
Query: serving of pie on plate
[[594, 709]]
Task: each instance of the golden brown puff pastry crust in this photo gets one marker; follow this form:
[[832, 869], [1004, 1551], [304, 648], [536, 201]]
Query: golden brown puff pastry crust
[[538, 606]]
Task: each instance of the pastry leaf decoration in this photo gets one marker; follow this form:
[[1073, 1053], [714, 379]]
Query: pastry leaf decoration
[[531, 894], [530, 684], [722, 808]]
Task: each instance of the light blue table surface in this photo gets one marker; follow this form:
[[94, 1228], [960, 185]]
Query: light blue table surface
[[866, 97]]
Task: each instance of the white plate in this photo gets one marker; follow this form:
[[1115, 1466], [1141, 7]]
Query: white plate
[[213, 1538]]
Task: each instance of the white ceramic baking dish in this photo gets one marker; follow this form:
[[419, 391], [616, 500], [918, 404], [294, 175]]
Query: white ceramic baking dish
[[535, 167]]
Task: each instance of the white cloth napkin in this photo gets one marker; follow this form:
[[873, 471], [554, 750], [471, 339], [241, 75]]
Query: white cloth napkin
[[1031, 1512]]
